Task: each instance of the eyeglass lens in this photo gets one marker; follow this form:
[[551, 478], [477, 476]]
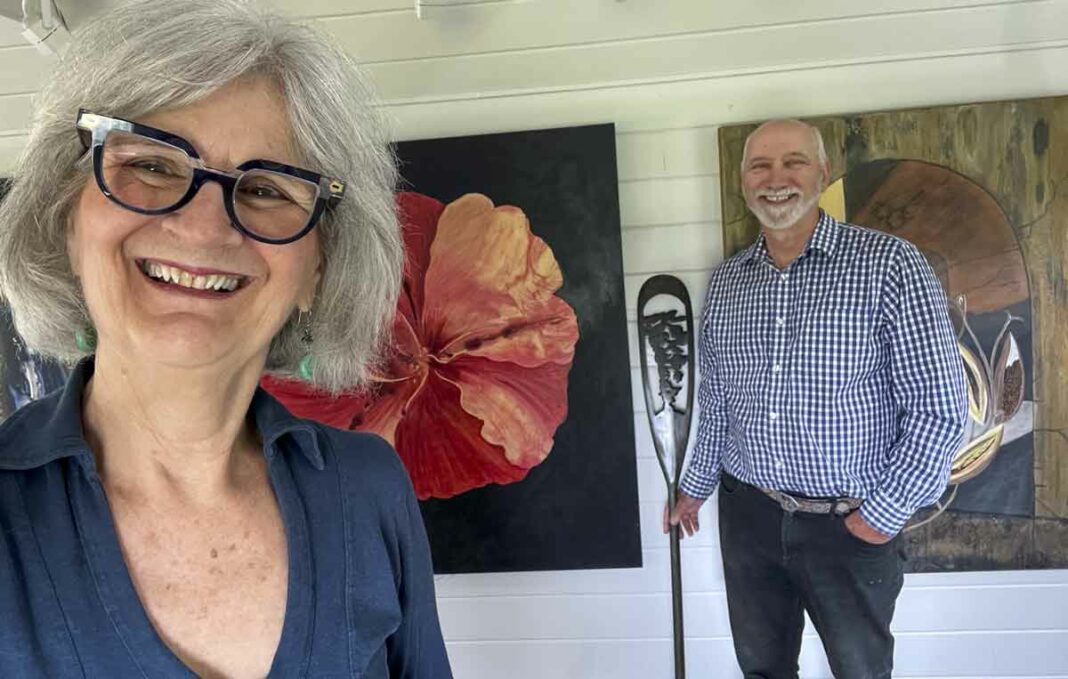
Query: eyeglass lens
[[148, 174]]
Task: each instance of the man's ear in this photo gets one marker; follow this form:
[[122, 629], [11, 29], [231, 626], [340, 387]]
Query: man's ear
[[825, 171]]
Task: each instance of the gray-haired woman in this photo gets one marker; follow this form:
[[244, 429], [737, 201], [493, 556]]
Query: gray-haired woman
[[206, 194]]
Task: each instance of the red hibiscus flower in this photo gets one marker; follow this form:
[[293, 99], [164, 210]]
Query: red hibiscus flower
[[476, 385]]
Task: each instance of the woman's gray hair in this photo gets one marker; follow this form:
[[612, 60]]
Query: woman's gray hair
[[157, 54]]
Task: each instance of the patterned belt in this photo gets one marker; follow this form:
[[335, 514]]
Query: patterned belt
[[791, 504]]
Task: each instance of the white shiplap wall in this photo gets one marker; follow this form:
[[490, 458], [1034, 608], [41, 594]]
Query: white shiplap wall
[[668, 72]]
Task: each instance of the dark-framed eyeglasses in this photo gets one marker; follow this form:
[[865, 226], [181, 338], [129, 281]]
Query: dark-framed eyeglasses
[[154, 172]]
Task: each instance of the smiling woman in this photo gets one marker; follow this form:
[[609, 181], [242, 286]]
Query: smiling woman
[[206, 197]]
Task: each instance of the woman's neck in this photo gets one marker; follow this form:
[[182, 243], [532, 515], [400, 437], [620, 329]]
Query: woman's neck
[[175, 431]]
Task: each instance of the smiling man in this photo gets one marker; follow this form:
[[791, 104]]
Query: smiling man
[[832, 401]]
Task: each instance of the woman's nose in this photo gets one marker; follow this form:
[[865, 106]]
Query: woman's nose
[[204, 219]]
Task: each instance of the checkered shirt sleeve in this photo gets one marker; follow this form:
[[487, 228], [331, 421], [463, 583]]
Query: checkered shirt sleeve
[[929, 390], [702, 474]]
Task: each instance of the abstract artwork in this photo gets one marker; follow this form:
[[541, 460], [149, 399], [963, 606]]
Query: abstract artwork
[[24, 375], [980, 190], [507, 393]]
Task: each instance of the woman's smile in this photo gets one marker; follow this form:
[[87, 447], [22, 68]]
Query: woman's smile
[[196, 281]]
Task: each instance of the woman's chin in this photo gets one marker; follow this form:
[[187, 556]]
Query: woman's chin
[[191, 348]]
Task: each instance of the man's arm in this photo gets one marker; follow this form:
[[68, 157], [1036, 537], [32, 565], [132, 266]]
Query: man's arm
[[702, 474], [928, 386]]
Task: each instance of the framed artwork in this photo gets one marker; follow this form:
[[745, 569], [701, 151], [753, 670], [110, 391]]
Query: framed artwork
[[24, 375], [508, 394], [980, 190]]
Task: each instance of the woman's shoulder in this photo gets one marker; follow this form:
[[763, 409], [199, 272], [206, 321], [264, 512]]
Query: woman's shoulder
[[364, 458], [372, 484], [35, 433]]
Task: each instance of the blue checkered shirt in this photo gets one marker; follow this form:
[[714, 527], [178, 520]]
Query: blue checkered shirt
[[838, 376]]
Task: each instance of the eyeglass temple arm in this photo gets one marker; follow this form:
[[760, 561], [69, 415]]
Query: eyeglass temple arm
[[336, 189]]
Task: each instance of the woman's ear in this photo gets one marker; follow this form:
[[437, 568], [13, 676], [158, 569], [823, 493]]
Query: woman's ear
[[306, 299], [72, 245]]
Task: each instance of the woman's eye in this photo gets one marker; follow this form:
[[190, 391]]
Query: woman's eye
[[264, 191], [153, 166]]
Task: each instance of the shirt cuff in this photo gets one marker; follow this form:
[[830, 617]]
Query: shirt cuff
[[885, 513], [696, 487]]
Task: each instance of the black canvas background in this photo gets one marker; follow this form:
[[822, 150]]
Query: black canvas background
[[579, 508]]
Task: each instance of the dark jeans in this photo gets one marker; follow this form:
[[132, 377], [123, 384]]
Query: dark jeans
[[777, 564]]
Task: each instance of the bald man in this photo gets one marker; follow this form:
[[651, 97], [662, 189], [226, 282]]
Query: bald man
[[832, 402]]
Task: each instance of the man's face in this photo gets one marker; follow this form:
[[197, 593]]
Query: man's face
[[782, 177]]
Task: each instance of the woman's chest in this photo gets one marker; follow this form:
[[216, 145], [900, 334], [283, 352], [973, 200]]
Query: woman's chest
[[71, 607], [213, 584]]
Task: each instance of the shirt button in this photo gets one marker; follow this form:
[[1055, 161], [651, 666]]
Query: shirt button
[[780, 321], [776, 368], [779, 464], [784, 277], [773, 416]]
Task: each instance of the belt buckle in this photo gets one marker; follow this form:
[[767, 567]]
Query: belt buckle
[[788, 503]]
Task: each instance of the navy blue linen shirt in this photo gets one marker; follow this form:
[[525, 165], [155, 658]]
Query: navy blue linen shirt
[[361, 591], [838, 376]]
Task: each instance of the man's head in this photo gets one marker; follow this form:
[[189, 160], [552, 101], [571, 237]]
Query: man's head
[[784, 171]]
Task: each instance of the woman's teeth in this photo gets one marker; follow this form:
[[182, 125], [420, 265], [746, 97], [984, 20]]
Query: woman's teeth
[[175, 276]]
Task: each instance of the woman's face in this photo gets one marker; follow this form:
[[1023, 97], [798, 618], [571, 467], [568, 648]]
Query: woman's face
[[111, 247]]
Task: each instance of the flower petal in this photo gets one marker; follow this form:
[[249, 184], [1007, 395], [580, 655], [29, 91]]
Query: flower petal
[[378, 410], [385, 407], [476, 384], [305, 401], [418, 216], [491, 278], [547, 335], [440, 445], [406, 356], [519, 408]]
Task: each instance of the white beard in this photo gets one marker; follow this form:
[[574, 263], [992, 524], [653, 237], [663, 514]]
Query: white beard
[[776, 218]]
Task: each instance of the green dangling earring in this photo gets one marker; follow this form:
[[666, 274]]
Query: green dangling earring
[[85, 339], [307, 362], [306, 366]]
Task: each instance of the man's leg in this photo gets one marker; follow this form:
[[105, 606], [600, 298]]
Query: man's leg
[[764, 605], [850, 588]]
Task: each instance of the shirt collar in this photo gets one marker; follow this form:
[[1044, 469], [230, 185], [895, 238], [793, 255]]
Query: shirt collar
[[824, 239], [51, 428], [273, 421]]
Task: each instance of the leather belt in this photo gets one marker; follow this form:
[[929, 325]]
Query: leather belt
[[791, 504]]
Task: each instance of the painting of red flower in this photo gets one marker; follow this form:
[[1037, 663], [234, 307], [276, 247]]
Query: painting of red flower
[[476, 385]]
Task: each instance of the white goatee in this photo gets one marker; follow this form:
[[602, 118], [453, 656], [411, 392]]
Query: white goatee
[[780, 218]]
